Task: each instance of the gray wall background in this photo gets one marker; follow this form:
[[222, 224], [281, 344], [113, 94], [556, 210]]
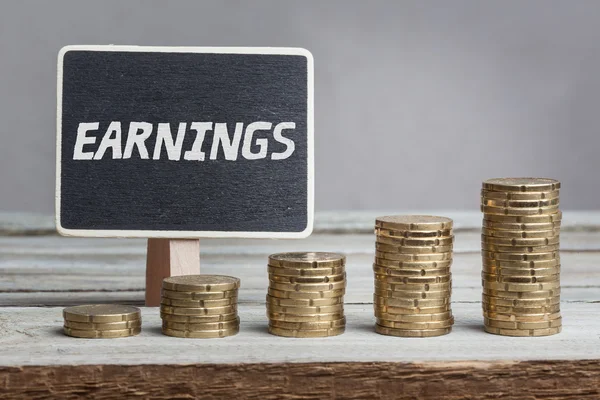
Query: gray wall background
[[416, 101]]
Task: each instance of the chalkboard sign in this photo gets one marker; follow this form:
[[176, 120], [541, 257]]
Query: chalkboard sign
[[184, 142]]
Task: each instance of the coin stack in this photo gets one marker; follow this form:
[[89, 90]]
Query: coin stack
[[521, 261], [306, 294], [102, 321], [413, 283], [200, 306]]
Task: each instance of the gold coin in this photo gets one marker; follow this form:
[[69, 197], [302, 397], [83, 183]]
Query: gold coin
[[414, 317], [421, 287], [491, 255], [407, 294], [409, 303], [498, 301], [522, 332], [198, 310], [409, 272], [337, 308], [413, 264], [198, 319], [101, 313], [201, 283], [287, 294], [521, 271], [206, 326], [170, 294], [540, 264], [519, 279], [521, 287], [307, 260], [413, 249], [552, 308], [198, 303], [519, 249], [383, 330], [522, 317], [105, 334], [516, 242], [519, 203], [304, 279], [103, 326], [304, 318], [413, 279], [524, 219], [522, 325], [219, 333], [330, 301], [413, 257], [519, 211], [411, 242], [416, 325], [522, 295], [507, 234], [515, 226], [414, 222], [308, 287], [412, 310], [521, 184], [554, 194], [312, 333], [306, 272], [308, 325], [394, 233]]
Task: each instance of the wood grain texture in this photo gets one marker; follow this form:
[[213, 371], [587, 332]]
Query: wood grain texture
[[473, 380], [169, 257]]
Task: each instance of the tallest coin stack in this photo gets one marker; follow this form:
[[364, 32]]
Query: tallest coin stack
[[521, 261]]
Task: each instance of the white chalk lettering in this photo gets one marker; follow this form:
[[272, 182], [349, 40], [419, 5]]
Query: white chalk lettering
[[290, 145], [82, 139], [188, 142], [262, 142], [108, 141], [196, 153], [137, 139], [230, 147], [165, 137]]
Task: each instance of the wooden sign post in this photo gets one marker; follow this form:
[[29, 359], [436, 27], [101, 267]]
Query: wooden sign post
[[174, 144]]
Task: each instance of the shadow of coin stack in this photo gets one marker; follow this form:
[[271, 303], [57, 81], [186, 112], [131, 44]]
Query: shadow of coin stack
[[520, 252], [200, 306], [102, 321], [306, 294], [413, 283]]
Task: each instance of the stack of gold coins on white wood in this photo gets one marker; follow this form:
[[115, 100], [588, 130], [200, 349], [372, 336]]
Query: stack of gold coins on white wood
[[413, 282], [102, 321], [520, 252], [200, 306], [306, 294]]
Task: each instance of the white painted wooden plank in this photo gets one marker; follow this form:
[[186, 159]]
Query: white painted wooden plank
[[32, 336], [247, 296], [579, 270]]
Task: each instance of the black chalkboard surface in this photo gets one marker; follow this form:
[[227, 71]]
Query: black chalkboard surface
[[184, 142]]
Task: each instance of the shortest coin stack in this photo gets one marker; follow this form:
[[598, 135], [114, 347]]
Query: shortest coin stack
[[413, 282], [102, 321], [306, 294], [200, 306]]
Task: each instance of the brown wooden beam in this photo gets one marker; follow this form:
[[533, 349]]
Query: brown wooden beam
[[473, 380]]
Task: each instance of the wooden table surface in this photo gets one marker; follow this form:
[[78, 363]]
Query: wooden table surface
[[41, 272]]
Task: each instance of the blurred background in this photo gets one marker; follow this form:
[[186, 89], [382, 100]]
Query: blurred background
[[416, 101]]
